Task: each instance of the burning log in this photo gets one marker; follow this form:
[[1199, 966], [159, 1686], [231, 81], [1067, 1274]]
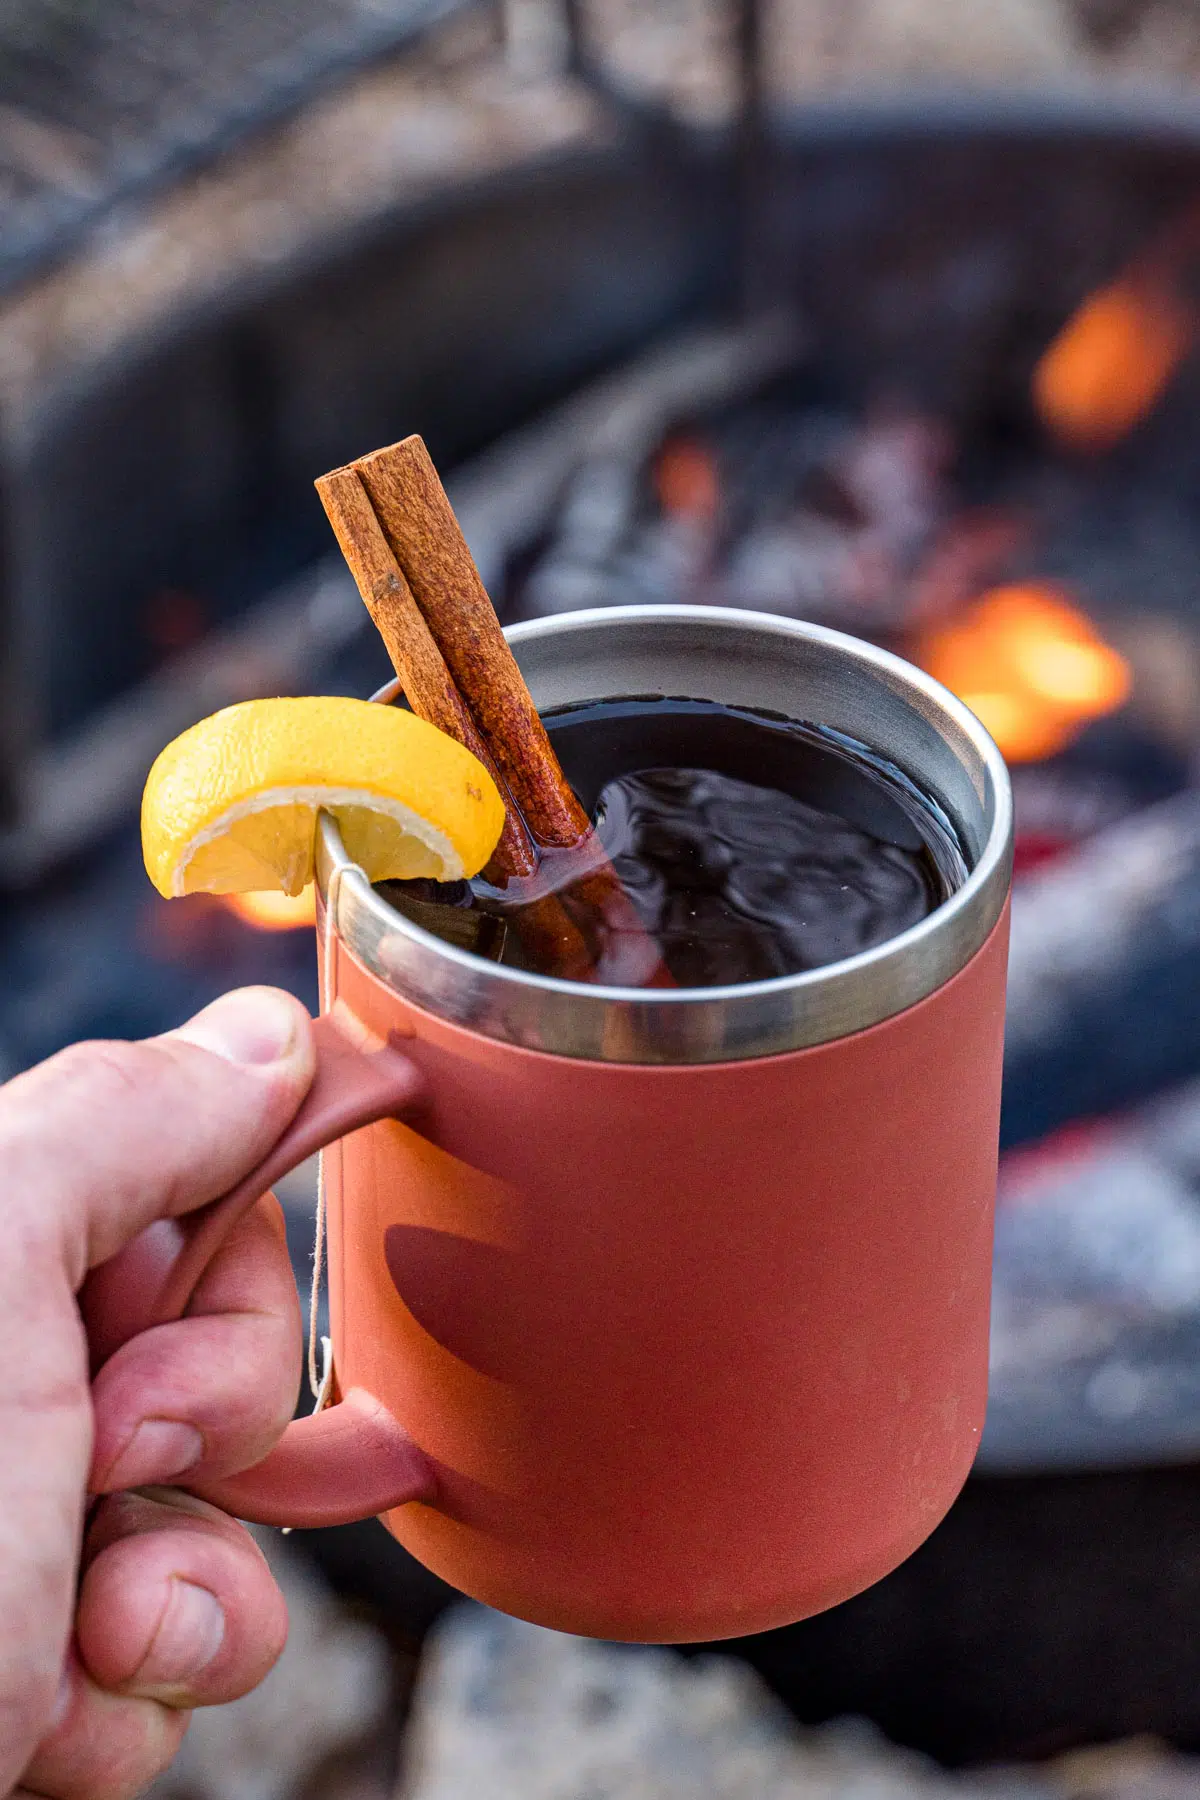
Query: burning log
[[806, 513]]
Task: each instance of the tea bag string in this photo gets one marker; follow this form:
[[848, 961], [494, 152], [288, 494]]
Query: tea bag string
[[321, 1383]]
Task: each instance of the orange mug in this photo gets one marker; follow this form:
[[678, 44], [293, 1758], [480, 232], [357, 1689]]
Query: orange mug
[[657, 1315]]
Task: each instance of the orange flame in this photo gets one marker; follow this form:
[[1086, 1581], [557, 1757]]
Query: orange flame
[[1030, 666], [1112, 360], [274, 911]]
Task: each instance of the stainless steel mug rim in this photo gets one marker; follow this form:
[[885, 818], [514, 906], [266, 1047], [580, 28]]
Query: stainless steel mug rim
[[763, 1018]]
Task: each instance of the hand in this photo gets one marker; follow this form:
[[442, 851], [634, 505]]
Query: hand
[[175, 1606]]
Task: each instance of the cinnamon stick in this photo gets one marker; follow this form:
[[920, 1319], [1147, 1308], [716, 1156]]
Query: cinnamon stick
[[547, 931], [427, 542], [418, 662], [418, 579]]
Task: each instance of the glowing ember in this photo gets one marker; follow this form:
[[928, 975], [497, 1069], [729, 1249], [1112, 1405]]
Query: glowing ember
[[1030, 665], [275, 911], [1111, 362], [686, 480]]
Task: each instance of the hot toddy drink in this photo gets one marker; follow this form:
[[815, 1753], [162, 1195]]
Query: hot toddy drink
[[751, 846]]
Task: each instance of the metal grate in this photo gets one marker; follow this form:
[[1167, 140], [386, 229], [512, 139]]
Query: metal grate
[[100, 99]]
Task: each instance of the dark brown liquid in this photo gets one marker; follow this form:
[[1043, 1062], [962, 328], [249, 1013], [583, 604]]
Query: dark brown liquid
[[752, 846]]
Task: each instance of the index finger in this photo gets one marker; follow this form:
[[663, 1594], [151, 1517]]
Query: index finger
[[104, 1138], [211, 1393]]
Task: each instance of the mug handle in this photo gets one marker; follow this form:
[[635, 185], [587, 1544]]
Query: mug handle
[[353, 1459]]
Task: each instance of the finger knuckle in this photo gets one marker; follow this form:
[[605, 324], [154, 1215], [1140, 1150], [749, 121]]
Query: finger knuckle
[[112, 1748], [85, 1079], [106, 1067]]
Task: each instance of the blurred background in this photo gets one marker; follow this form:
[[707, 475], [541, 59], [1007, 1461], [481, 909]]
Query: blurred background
[[882, 313]]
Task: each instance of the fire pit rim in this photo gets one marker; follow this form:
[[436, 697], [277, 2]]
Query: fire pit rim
[[1144, 115]]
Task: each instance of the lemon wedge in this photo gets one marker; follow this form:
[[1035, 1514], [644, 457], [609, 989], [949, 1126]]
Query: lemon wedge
[[230, 806]]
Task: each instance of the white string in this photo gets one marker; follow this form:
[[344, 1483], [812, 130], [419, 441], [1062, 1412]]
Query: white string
[[321, 1390], [318, 1384]]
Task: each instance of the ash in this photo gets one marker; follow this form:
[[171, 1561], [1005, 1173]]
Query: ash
[[776, 507], [508, 1711], [1095, 1357]]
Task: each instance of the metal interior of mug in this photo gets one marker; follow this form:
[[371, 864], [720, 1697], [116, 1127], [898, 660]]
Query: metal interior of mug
[[739, 659]]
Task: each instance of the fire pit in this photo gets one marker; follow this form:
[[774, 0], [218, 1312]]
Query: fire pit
[[917, 434]]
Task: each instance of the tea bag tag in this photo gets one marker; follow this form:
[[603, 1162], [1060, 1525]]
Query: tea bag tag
[[321, 1400]]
